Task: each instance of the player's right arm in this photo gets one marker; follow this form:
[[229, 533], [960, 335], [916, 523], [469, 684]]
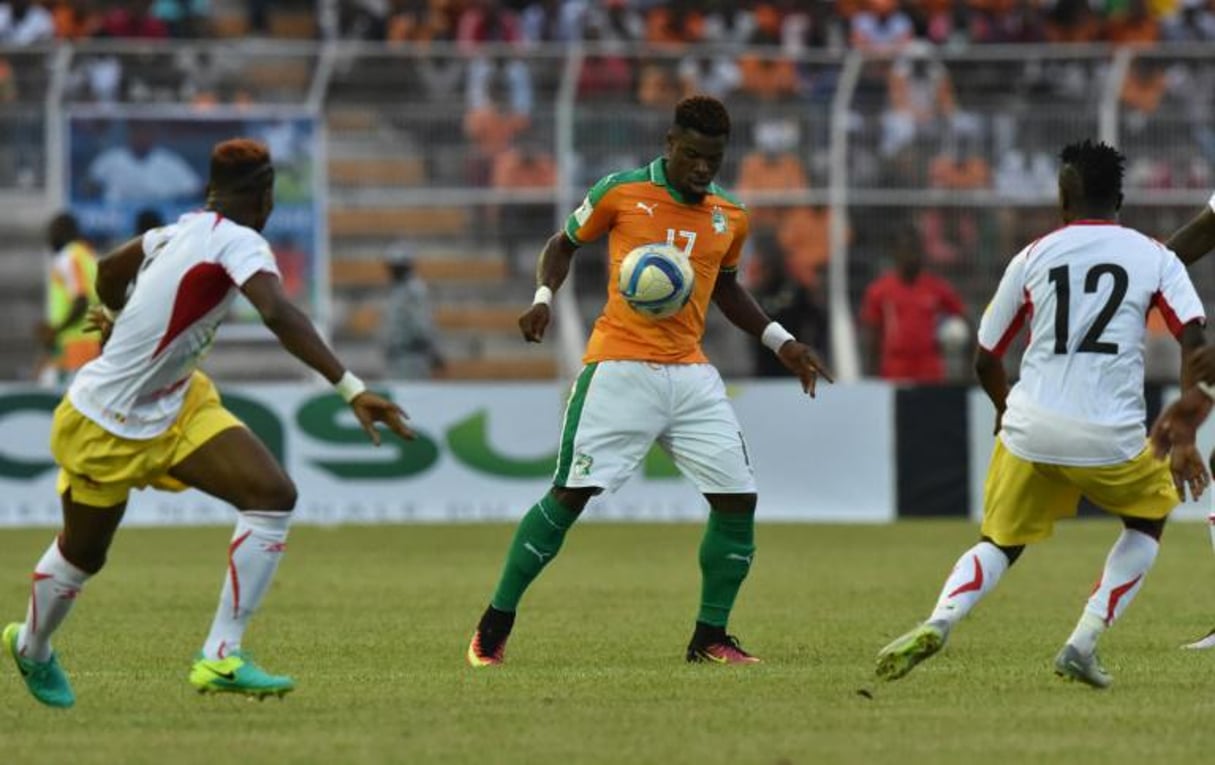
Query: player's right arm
[[551, 272], [116, 271], [1196, 238], [297, 335], [590, 221], [1000, 324]]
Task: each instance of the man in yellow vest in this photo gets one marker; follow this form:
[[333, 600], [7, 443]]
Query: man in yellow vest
[[69, 293]]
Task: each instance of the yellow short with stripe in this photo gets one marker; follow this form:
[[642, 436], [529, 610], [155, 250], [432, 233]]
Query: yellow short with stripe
[[1023, 499], [101, 468]]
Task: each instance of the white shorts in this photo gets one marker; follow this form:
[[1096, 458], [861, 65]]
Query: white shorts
[[617, 410]]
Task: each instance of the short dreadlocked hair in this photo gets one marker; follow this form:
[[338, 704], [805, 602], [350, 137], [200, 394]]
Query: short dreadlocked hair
[[241, 165], [1100, 168], [704, 114]]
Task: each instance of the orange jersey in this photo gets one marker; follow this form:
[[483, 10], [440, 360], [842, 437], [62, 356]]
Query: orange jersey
[[639, 207]]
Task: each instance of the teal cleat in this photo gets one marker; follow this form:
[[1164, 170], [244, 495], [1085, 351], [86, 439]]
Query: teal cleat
[[45, 680], [1070, 664], [908, 650], [237, 673]]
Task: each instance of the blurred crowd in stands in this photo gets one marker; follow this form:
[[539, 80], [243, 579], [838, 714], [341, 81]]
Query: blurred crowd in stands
[[794, 25], [921, 120]]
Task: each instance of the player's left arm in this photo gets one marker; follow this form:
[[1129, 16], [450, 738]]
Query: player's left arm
[[299, 337], [738, 305], [1197, 237]]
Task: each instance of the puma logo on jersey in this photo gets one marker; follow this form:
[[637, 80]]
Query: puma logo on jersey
[[649, 209]]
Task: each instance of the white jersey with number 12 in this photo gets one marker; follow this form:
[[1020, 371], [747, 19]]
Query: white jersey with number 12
[[1085, 290]]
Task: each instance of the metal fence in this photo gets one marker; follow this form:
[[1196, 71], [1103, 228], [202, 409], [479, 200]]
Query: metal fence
[[477, 154]]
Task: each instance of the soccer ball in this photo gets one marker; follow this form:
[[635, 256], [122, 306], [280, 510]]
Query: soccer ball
[[656, 280], [953, 333]]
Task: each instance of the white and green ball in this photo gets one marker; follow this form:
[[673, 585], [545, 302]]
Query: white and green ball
[[656, 280]]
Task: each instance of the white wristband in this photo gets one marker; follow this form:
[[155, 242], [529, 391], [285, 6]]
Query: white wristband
[[1211, 202], [543, 295], [1208, 389], [350, 387], [775, 336]]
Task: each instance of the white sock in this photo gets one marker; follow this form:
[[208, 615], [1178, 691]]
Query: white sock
[[52, 593], [974, 575], [1129, 560], [257, 545]]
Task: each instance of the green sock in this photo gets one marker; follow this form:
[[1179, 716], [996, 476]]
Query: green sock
[[537, 540], [725, 558]]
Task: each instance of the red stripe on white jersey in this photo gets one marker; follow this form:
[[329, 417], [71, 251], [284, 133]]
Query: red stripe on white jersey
[[202, 289]]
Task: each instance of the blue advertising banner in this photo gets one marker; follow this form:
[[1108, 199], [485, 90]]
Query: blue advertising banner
[[128, 170]]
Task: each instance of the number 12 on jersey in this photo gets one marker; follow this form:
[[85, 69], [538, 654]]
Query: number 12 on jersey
[[1092, 343]]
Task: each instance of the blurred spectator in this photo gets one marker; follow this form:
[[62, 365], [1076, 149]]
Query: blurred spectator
[[208, 73], [812, 25], [798, 308], [363, 19], [900, 313], [940, 22], [95, 78], [543, 21], [605, 75], [920, 103], [8, 82], [1072, 21], [614, 21], [656, 87], [1195, 22], [1007, 22], [1026, 173], [134, 20], [408, 21], [768, 75], [881, 28], [76, 19], [519, 225], [485, 22], [960, 167], [184, 18], [410, 340], [804, 235], [728, 22], [1132, 24], [70, 291], [772, 166], [1143, 89], [716, 76], [492, 129], [23, 22], [675, 23], [141, 171]]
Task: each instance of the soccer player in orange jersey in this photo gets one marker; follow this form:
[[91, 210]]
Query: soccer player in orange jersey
[[647, 380]]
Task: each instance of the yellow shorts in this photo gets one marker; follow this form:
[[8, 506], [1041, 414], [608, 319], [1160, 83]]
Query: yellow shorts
[[101, 468], [1023, 499]]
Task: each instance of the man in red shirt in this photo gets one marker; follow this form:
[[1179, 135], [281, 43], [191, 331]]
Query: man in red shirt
[[900, 314]]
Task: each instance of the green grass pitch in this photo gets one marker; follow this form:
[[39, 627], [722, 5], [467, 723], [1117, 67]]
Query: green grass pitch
[[373, 622]]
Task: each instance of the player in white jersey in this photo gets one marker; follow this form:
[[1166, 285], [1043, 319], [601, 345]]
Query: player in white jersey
[[1072, 425], [142, 415], [1177, 426]]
